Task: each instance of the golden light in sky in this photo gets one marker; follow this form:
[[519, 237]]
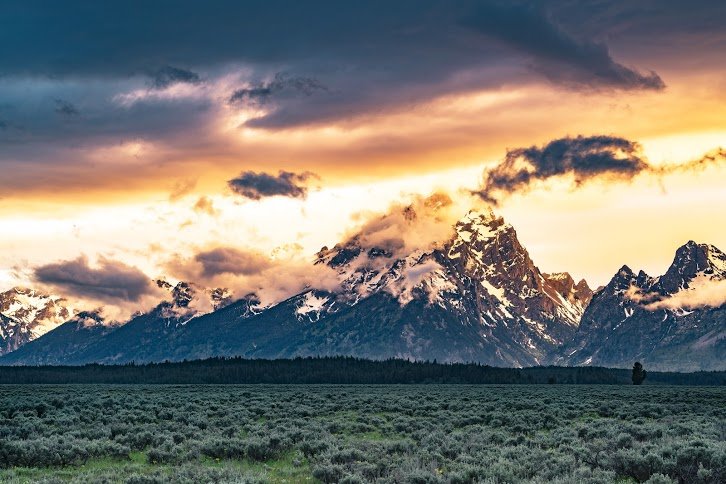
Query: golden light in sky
[[130, 158]]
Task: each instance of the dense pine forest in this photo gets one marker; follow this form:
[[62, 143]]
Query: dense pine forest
[[337, 370]]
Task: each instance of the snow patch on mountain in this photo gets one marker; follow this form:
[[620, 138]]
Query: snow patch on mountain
[[311, 306]]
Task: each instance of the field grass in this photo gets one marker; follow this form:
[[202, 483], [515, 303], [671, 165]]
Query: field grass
[[348, 434]]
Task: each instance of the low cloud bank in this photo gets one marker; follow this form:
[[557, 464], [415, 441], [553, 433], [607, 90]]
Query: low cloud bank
[[702, 293]]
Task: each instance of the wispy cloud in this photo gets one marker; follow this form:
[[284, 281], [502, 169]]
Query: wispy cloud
[[168, 75], [703, 292], [263, 92]]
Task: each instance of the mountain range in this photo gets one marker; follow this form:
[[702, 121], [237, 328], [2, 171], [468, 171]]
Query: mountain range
[[476, 296]]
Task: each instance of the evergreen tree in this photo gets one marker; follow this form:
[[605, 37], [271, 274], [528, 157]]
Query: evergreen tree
[[639, 373]]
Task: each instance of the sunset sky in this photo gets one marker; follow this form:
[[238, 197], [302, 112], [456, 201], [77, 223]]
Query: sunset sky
[[144, 139]]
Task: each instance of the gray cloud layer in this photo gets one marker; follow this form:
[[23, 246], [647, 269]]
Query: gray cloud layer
[[256, 186], [111, 281], [228, 260], [368, 55], [65, 108]]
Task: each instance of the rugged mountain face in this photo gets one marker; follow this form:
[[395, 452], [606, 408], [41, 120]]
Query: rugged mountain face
[[26, 314], [474, 297], [673, 322]]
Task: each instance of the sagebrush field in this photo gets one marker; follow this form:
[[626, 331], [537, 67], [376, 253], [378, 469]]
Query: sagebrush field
[[329, 433]]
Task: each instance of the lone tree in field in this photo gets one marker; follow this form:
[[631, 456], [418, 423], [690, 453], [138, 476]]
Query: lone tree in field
[[639, 373]]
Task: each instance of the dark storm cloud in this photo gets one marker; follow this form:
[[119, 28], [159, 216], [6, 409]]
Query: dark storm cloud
[[228, 260], [365, 57], [110, 281], [256, 186], [558, 54], [582, 157], [387, 41], [169, 75], [65, 108]]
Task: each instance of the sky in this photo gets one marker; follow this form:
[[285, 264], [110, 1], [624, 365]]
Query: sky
[[227, 142]]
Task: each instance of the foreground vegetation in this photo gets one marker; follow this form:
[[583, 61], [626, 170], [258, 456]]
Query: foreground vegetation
[[348, 434]]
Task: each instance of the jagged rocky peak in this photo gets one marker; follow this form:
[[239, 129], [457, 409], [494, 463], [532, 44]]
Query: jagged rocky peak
[[625, 283], [623, 323], [340, 254], [562, 281], [488, 248], [27, 314], [249, 305], [183, 293], [477, 229], [483, 224], [221, 297], [583, 291], [690, 261], [38, 311], [621, 281], [565, 285]]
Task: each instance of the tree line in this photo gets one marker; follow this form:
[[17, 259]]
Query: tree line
[[336, 370]]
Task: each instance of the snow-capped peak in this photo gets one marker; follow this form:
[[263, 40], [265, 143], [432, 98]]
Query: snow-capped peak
[[483, 256], [692, 261], [28, 314], [40, 312]]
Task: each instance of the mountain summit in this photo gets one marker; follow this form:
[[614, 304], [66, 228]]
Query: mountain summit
[[673, 322], [475, 297]]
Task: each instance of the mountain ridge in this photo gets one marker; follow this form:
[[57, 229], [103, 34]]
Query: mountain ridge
[[476, 296]]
